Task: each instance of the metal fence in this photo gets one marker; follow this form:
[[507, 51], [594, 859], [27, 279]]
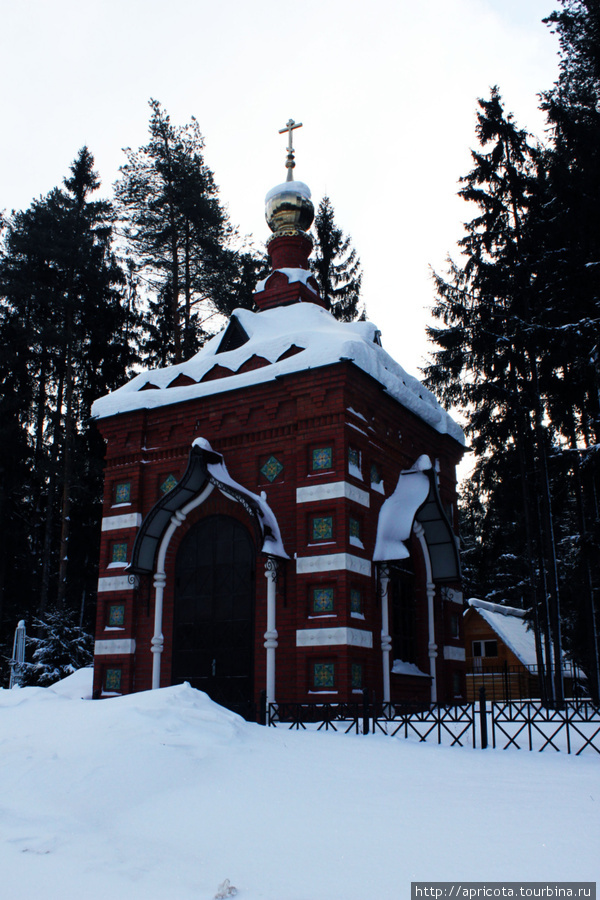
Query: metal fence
[[573, 728], [504, 682], [451, 724], [527, 724], [321, 716]]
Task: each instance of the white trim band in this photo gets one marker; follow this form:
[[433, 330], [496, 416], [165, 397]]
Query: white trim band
[[327, 637], [333, 562], [456, 653], [114, 583], [114, 648], [332, 491], [129, 520]]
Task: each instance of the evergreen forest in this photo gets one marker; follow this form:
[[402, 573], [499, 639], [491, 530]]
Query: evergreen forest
[[91, 291], [516, 350]]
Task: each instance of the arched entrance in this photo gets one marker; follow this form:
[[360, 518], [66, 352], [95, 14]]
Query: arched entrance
[[213, 626]]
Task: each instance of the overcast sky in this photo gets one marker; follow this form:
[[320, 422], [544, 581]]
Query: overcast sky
[[386, 91]]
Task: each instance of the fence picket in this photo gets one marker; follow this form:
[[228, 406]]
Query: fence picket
[[453, 724]]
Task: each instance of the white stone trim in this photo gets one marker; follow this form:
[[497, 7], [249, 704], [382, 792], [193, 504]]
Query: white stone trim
[[114, 583], [128, 520], [327, 637], [271, 635], [456, 653], [453, 595], [333, 562], [332, 490], [430, 587], [118, 647], [386, 638]]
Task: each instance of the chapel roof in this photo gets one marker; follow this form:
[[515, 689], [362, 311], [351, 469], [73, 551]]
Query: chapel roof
[[271, 344]]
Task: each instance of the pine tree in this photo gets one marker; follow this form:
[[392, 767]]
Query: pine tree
[[178, 235], [66, 327], [336, 266]]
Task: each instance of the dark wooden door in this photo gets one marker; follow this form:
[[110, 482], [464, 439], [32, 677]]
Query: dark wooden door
[[213, 633]]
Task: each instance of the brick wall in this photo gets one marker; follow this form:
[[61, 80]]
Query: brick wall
[[336, 406]]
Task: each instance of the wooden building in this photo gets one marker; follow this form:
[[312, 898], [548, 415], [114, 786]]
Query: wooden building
[[500, 651], [280, 510]]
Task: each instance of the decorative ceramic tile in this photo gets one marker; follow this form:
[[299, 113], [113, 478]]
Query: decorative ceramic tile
[[322, 458], [271, 468], [323, 599], [354, 528], [324, 675], [119, 553], [375, 474], [322, 528], [168, 484], [355, 600], [116, 615], [357, 676], [112, 680], [354, 457], [123, 492]]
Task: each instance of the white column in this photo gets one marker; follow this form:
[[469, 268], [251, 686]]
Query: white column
[[432, 646], [160, 579], [158, 640], [271, 632], [386, 640], [430, 587]]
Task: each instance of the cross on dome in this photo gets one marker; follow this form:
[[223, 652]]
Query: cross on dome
[[290, 164]]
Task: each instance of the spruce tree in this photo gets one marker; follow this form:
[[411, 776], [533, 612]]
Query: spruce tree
[[59, 648], [336, 266], [568, 275], [488, 360], [66, 326]]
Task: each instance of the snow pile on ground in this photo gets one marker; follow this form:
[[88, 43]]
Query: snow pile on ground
[[320, 339], [166, 795]]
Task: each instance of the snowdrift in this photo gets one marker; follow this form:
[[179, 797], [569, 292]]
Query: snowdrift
[[164, 794]]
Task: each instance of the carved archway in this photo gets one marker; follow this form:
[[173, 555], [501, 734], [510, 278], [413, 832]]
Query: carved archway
[[206, 471]]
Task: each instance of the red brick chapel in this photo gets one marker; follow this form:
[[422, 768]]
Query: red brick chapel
[[280, 510]]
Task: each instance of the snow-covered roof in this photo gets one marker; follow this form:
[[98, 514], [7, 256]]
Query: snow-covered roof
[[272, 543], [398, 512], [511, 627], [292, 275], [315, 338], [205, 467], [416, 497]]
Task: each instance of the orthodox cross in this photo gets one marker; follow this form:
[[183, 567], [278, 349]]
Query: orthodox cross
[[290, 125]]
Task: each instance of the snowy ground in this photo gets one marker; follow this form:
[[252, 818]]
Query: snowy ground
[[165, 795]]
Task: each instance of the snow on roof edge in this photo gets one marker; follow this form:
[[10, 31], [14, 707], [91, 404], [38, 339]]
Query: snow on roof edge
[[497, 608], [325, 341]]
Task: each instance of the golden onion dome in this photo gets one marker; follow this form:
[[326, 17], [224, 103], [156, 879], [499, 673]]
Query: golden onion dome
[[289, 209]]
